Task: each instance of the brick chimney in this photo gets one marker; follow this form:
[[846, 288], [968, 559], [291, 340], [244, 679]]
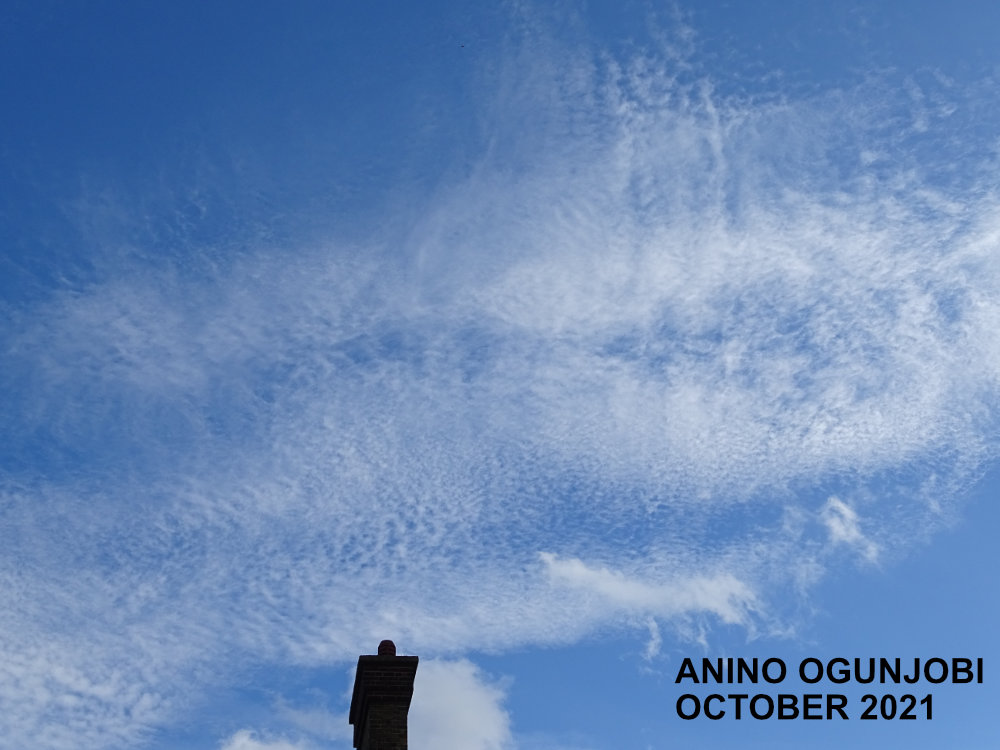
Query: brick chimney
[[383, 686]]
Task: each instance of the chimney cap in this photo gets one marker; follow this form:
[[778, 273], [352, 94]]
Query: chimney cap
[[387, 648]]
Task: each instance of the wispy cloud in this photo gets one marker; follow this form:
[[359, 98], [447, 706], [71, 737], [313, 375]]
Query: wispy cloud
[[722, 595], [645, 343], [842, 523]]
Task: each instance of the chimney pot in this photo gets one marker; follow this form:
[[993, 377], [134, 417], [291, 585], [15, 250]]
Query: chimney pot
[[383, 687]]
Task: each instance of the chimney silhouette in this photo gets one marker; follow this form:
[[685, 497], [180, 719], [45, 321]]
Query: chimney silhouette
[[383, 687]]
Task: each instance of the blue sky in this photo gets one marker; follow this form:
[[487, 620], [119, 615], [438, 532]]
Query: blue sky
[[556, 342]]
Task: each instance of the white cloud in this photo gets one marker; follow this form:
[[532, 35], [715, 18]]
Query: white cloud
[[456, 705], [722, 595], [655, 641], [628, 343], [843, 525], [319, 722]]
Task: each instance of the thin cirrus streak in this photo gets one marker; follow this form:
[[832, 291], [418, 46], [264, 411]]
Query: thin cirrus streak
[[657, 369]]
